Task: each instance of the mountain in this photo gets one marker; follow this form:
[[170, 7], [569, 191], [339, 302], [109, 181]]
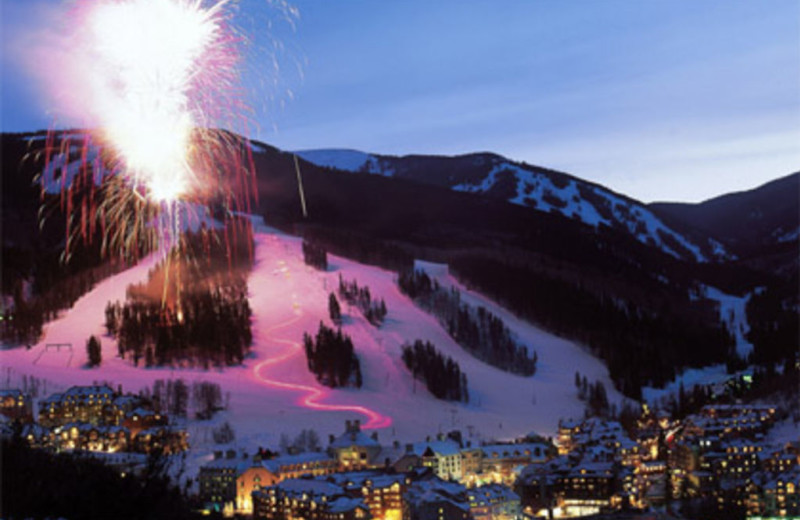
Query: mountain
[[630, 303], [762, 225], [565, 270], [539, 188]]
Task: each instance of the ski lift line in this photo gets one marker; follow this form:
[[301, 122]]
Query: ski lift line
[[300, 186]]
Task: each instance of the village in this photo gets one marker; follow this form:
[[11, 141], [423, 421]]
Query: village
[[717, 457]]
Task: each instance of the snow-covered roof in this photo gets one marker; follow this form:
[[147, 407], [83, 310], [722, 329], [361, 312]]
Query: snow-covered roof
[[512, 450], [87, 391], [440, 448], [593, 469], [309, 486], [37, 430], [275, 464], [493, 493], [436, 490], [237, 464], [358, 479], [141, 412], [124, 400], [345, 504], [354, 438]]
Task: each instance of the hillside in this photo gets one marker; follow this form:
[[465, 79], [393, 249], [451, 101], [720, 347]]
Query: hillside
[[630, 303], [273, 392], [762, 225], [529, 186]]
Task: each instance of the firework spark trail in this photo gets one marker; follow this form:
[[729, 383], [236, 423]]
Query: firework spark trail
[[152, 65], [313, 396], [155, 79]]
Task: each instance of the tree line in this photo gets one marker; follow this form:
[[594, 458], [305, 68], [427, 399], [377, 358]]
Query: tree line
[[477, 330], [210, 328], [41, 484], [641, 346], [773, 314], [315, 256], [50, 293], [331, 358], [175, 398], [441, 375], [594, 395], [374, 311], [193, 309], [362, 248]]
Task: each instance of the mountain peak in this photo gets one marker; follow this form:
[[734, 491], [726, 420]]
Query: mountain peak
[[538, 188]]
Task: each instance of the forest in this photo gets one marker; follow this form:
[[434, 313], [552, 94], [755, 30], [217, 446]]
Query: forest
[[441, 375], [773, 314], [40, 484], [315, 256], [477, 330], [54, 248], [640, 346], [193, 310], [360, 297], [332, 359], [54, 286]]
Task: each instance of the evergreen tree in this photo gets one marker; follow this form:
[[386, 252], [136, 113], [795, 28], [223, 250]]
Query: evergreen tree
[[334, 309], [442, 376], [331, 358], [94, 351]]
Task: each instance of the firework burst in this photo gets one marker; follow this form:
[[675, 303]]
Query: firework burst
[[155, 81]]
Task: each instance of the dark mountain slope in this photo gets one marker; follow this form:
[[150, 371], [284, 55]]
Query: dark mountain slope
[[626, 300], [601, 285], [746, 220], [541, 189]]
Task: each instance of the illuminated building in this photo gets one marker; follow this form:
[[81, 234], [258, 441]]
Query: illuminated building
[[353, 449], [774, 494], [15, 405], [494, 502], [309, 499], [88, 404]]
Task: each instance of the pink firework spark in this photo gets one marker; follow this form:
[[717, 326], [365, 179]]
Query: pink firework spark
[[154, 80]]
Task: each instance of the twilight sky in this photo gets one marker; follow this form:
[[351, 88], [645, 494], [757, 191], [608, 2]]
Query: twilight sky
[[659, 99]]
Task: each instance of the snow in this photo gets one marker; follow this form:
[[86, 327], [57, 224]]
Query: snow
[[274, 393], [783, 432], [59, 173], [733, 313], [719, 251], [534, 189], [256, 146], [788, 236], [346, 160], [645, 226], [690, 378]]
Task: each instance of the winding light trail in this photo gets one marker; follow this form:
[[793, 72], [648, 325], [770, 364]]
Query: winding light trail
[[313, 396]]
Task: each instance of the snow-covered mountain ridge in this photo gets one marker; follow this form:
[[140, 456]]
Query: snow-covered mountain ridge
[[530, 186]]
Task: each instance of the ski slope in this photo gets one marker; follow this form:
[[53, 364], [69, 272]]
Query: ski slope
[[273, 392]]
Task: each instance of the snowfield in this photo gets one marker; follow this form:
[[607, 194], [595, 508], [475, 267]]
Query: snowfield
[[273, 392], [733, 314]]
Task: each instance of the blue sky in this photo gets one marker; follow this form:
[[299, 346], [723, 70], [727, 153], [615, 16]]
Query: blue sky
[[661, 100]]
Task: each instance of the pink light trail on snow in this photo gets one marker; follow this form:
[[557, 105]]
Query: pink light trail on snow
[[313, 395]]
